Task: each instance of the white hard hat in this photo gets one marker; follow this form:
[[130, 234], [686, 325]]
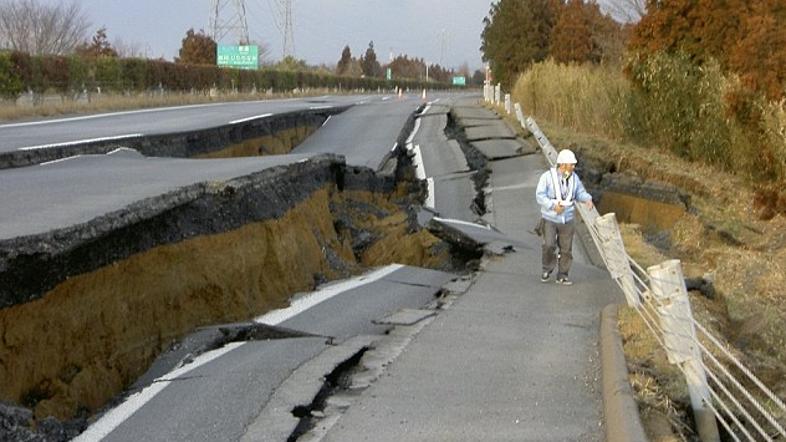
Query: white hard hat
[[566, 156]]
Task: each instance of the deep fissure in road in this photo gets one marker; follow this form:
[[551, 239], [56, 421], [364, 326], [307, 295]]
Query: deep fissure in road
[[476, 161], [337, 380], [120, 290]]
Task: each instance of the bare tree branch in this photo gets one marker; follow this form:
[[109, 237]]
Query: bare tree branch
[[27, 26], [625, 11]]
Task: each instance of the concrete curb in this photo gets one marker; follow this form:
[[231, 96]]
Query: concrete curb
[[621, 413]]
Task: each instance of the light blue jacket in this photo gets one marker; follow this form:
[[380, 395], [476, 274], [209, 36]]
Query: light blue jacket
[[547, 198]]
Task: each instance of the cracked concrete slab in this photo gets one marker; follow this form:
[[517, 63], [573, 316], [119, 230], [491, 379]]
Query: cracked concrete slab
[[498, 130], [470, 235], [504, 148], [276, 421], [453, 196], [473, 113]]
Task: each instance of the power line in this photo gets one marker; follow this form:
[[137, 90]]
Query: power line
[[224, 22], [282, 14]]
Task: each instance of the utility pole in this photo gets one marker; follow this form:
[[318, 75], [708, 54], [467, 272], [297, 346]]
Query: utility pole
[[224, 22], [285, 24]]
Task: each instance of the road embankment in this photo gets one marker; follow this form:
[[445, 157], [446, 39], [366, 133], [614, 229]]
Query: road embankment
[[86, 308], [272, 134]]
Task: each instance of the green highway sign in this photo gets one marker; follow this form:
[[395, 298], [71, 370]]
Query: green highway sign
[[459, 80], [239, 57]]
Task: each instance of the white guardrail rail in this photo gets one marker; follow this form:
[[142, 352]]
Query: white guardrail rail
[[735, 397]]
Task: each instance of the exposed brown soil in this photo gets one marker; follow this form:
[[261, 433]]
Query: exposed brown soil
[[726, 236], [278, 144], [631, 209], [69, 352]]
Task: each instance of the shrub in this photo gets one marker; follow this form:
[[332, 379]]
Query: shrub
[[11, 84]]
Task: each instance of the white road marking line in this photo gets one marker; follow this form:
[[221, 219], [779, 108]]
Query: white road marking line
[[395, 145], [425, 111], [304, 303], [120, 149], [328, 119], [320, 107], [414, 131], [119, 414], [243, 120], [420, 172], [430, 195], [115, 417], [436, 101], [113, 114], [72, 143], [458, 221], [59, 160], [386, 98]]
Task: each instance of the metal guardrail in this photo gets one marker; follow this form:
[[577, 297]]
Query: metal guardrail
[[735, 397]]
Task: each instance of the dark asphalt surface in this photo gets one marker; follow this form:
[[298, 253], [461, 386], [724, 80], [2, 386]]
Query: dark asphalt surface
[[154, 121], [218, 401], [364, 134], [45, 197]]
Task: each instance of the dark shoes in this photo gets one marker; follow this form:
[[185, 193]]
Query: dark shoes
[[563, 280], [545, 277]]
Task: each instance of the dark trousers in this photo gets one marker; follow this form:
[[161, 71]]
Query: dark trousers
[[557, 235]]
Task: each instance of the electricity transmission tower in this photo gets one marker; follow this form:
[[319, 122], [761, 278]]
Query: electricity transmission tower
[[285, 24], [224, 22], [443, 37]]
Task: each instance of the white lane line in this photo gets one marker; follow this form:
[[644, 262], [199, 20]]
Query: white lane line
[[110, 421], [72, 143], [386, 98], [420, 171], [328, 119], [425, 111], [458, 221], [414, 131], [320, 107], [436, 101], [395, 145], [60, 160], [114, 114], [304, 303], [243, 120], [430, 195], [119, 414]]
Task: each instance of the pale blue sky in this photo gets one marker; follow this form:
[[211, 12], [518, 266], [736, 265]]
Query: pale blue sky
[[322, 27]]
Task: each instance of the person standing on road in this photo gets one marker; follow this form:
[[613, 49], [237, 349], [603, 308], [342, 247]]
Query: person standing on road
[[557, 190]]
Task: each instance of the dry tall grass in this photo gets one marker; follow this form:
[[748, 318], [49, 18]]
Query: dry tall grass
[[683, 108], [587, 98]]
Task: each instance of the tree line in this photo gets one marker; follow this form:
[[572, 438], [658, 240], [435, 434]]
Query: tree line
[[401, 66], [704, 79], [43, 47]]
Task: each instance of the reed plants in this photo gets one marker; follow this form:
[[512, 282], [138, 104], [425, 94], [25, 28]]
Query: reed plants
[[668, 102]]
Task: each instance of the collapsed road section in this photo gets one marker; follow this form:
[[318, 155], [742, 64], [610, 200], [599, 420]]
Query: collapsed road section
[[93, 287], [265, 134]]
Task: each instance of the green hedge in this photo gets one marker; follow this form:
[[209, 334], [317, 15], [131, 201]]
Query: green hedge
[[20, 72]]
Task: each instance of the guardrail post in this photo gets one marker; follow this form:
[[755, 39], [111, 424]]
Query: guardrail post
[[615, 257], [507, 103], [497, 92], [679, 336], [520, 115]]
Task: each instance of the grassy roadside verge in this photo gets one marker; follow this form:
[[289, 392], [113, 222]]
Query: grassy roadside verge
[[722, 238]]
